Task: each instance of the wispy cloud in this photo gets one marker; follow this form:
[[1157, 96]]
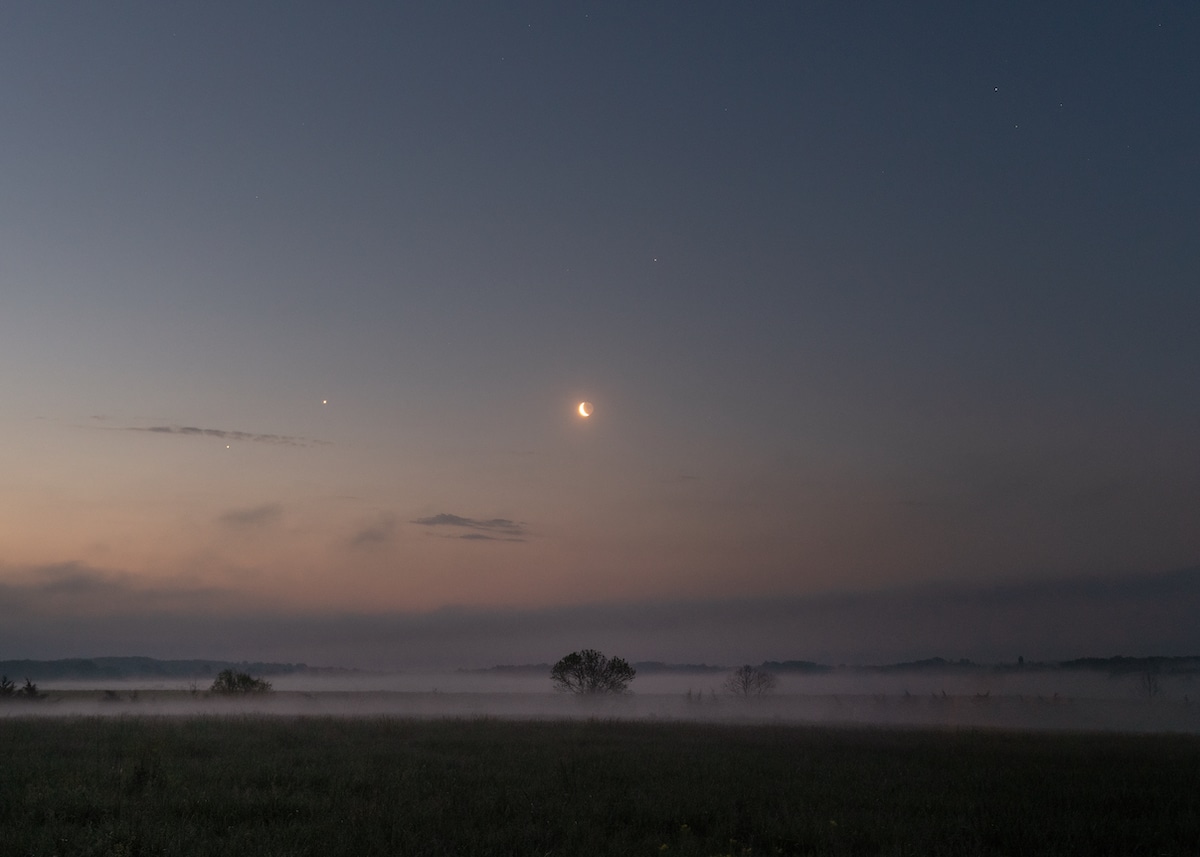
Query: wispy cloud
[[256, 516], [230, 435], [491, 529], [379, 532]]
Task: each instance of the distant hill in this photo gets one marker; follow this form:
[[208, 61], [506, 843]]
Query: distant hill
[[795, 667], [660, 667], [86, 669], [510, 669], [1115, 665], [116, 669], [640, 666], [1120, 665], [931, 664]]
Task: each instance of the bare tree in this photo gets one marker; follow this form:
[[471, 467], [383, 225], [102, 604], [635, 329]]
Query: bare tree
[[589, 671], [749, 681], [1148, 679]]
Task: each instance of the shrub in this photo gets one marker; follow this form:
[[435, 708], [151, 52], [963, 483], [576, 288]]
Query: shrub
[[229, 681], [29, 691], [590, 672]]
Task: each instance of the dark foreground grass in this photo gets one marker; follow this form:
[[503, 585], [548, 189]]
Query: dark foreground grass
[[342, 786]]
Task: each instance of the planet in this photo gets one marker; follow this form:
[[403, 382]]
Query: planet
[[586, 408]]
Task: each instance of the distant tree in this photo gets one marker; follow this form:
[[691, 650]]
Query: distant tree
[[749, 681], [229, 682], [590, 672], [1148, 679], [30, 691], [7, 687]]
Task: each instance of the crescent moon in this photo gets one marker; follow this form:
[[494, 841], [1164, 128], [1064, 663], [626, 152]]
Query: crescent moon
[[585, 409]]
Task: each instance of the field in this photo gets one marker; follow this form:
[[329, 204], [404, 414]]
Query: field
[[237, 784]]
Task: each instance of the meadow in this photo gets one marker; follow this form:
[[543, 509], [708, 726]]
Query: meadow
[[268, 786]]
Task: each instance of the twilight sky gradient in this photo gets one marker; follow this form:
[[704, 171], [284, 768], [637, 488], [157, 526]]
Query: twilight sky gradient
[[888, 312]]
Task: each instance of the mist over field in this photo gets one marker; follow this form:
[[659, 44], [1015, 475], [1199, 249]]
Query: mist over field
[[848, 682], [1083, 700]]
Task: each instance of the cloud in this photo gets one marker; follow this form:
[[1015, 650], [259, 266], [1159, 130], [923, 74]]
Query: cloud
[[480, 537], [256, 516], [63, 592], [382, 530], [493, 529], [71, 610], [226, 434], [70, 578]]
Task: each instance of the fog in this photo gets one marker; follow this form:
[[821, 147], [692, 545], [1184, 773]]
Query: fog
[[1034, 700], [1065, 684]]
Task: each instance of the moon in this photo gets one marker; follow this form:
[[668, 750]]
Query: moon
[[586, 408]]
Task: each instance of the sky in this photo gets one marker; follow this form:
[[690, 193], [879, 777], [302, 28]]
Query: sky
[[887, 313]]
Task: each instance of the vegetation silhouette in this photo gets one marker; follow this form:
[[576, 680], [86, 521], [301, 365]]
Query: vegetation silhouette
[[1148, 680], [749, 681], [232, 682], [9, 690], [590, 672]]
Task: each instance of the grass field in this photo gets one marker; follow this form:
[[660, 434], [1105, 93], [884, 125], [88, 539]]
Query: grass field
[[265, 786]]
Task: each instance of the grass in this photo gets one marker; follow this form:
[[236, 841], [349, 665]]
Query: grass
[[267, 786]]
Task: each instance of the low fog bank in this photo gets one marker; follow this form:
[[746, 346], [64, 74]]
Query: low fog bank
[[1084, 684], [1074, 684], [1038, 700], [878, 710]]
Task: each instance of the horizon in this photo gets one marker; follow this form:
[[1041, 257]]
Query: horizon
[[1114, 666], [1107, 617], [422, 335]]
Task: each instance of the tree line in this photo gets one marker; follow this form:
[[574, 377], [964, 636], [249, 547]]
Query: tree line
[[227, 682], [9, 689], [591, 672]]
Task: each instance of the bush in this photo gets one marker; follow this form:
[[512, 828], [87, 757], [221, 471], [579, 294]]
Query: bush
[[591, 672], [229, 681], [9, 690], [749, 681]]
